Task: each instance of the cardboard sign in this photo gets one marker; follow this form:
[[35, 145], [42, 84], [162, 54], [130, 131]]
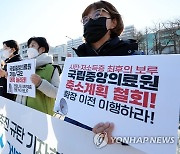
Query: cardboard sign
[[26, 131], [139, 94], [18, 81]]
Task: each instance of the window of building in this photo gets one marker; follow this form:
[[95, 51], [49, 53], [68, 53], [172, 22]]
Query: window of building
[[63, 58], [55, 58]]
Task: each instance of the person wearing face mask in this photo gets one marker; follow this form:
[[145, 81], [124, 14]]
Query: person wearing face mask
[[10, 53], [102, 26], [46, 78]]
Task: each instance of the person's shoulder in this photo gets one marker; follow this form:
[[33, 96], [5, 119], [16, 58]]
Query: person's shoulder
[[14, 59], [131, 43], [58, 68], [18, 57], [126, 47], [52, 67], [81, 50]]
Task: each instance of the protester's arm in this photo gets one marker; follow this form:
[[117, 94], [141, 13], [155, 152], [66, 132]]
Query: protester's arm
[[3, 73], [48, 88]]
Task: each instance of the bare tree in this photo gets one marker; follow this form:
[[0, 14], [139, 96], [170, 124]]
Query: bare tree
[[172, 28], [166, 36]]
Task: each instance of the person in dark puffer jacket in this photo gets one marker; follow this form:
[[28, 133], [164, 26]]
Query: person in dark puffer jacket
[[10, 52], [102, 27]]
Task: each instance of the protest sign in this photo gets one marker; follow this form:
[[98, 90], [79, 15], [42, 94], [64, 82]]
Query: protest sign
[[139, 94], [26, 131], [18, 80]]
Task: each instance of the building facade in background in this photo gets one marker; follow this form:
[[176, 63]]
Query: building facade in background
[[59, 54], [73, 43], [129, 32]]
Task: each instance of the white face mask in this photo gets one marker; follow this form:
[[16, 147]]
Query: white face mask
[[6, 53], [32, 53]]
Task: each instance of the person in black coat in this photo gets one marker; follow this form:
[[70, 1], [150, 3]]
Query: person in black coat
[[102, 25], [10, 53]]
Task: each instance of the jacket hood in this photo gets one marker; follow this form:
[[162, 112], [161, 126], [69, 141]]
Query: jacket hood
[[43, 59]]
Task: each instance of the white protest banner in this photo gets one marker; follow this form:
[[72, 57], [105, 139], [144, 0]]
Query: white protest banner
[[26, 131], [139, 94], [0, 59], [18, 81]]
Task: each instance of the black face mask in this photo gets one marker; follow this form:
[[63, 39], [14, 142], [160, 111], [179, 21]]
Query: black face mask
[[94, 30]]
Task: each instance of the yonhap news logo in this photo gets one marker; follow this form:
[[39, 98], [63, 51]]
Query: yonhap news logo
[[1, 141], [100, 140]]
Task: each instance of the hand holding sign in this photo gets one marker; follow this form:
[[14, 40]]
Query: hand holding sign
[[104, 128], [2, 73], [36, 79]]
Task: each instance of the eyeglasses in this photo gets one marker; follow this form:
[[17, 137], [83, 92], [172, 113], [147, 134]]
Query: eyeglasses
[[96, 14]]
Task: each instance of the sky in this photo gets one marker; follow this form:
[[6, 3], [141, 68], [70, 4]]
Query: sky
[[56, 19]]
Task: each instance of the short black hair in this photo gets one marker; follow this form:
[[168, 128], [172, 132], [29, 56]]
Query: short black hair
[[41, 41], [12, 44]]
